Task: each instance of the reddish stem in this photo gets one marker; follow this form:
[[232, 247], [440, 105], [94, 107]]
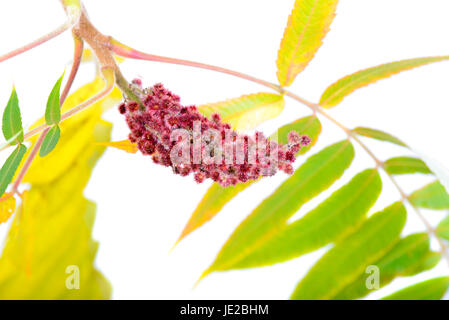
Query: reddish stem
[[78, 54], [127, 52], [28, 162], [38, 42]]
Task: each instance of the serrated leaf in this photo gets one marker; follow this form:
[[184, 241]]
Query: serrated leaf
[[7, 207], [10, 166], [406, 165], [378, 135], [334, 218], [53, 110], [50, 141], [432, 289], [442, 229], [432, 196], [248, 111], [124, 145], [307, 25], [217, 196], [342, 264], [407, 254], [12, 120], [335, 93], [52, 230], [318, 173]]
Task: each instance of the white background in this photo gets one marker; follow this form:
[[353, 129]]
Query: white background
[[142, 207]]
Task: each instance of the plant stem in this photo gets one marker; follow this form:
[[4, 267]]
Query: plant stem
[[77, 56], [28, 161], [73, 19], [75, 66], [125, 51]]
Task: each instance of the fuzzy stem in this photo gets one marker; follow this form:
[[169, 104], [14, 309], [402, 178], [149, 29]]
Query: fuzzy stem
[[28, 162], [127, 52], [78, 54], [74, 16]]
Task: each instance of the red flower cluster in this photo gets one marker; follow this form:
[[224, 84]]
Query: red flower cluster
[[180, 137]]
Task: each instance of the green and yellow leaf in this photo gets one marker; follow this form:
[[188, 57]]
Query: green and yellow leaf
[[378, 135], [406, 165], [51, 235], [442, 229], [317, 174], [343, 264], [331, 220], [248, 111], [432, 196], [307, 25], [10, 166], [406, 258], [335, 93], [12, 120], [432, 289], [217, 196], [53, 109], [50, 141]]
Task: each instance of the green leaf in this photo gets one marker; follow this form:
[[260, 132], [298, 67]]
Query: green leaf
[[307, 25], [407, 254], [317, 174], [335, 93], [217, 196], [334, 218], [429, 261], [50, 141], [10, 166], [342, 264], [378, 135], [406, 165], [433, 289], [53, 110], [432, 196], [12, 120], [248, 111], [443, 228]]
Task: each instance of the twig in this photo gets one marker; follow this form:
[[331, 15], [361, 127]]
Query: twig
[[73, 19]]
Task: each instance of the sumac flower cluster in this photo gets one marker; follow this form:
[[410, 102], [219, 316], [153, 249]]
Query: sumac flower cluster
[[180, 137]]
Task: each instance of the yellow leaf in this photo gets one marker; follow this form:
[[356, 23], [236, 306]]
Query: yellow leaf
[[50, 241], [248, 111], [125, 145], [307, 25], [336, 92], [50, 244], [7, 207]]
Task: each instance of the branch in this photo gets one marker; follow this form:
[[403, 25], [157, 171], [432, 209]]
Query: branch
[[125, 51], [74, 16], [77, 56]]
